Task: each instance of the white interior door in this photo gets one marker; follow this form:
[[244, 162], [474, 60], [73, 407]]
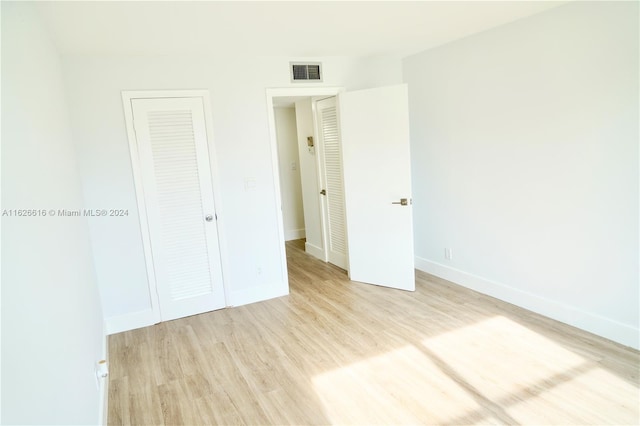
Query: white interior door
[[377, 176], [172, 146], [332, 192]]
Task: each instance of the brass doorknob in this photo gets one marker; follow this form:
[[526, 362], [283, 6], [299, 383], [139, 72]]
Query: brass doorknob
[[402, 202]]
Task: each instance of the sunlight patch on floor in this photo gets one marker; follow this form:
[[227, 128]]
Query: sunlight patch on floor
[[391, 388], [494, 371], [593, 394], [535, 379], [497, 369]]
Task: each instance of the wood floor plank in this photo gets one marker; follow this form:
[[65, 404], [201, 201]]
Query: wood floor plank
[[119, 401], [145, 407], [340, 352]]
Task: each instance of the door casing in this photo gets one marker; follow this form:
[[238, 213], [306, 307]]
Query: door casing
[[127, 97]]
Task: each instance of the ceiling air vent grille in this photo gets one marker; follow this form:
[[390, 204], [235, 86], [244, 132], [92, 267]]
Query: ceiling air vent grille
[[305, 71]]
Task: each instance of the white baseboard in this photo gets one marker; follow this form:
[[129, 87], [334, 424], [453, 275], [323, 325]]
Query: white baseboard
[[294, 234], [314, 251], [593, 323], [130, 321], [146, 318], [258, 294]]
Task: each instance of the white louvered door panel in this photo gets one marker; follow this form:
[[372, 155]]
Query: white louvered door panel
[[172, 144], [331, 166]]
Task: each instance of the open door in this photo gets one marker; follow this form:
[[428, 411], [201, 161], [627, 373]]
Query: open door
[[377, 182], [331, 180]]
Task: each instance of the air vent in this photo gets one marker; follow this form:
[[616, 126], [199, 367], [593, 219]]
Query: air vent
[[305, 71]]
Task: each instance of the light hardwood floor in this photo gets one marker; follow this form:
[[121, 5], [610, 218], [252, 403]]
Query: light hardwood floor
[[340, 352]]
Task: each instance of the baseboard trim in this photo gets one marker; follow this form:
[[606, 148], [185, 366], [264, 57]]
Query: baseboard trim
[[294, 234], [130, 321], [258, 294], [314, 251], [618, 332]]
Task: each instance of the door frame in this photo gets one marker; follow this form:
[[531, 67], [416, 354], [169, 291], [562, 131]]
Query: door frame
[[272, 93], [127, 97]]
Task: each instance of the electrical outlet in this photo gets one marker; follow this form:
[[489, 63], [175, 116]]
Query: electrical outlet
[[102, 371], [448, 253]]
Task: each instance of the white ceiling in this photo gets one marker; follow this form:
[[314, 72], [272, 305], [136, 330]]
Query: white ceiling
[[294, 28]]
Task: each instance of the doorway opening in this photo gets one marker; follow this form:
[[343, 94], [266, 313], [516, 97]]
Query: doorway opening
[[369, 131], [311, 193]]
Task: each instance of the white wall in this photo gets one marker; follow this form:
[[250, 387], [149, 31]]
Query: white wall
[[241, 136], [290, 187], [51, 316], [309, 179], [525, 163]]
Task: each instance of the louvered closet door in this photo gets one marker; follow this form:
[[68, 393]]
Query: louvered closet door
[[331, 165], [172, 145]]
